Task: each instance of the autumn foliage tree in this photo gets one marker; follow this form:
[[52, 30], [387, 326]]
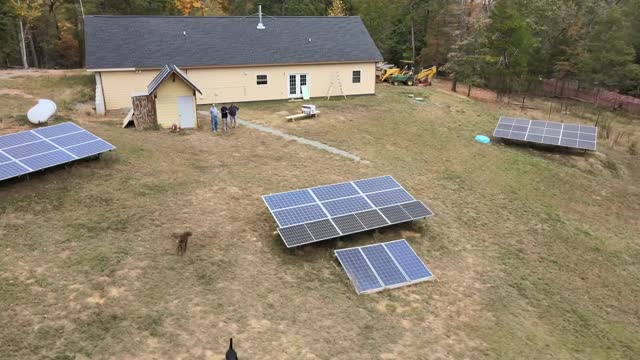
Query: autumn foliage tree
[[189, 7], [338, 8]]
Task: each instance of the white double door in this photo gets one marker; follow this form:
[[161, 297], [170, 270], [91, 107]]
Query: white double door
[[296, 82]]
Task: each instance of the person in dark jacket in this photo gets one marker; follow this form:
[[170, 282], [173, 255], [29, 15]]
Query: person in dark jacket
[[224, 111], [233, 111]]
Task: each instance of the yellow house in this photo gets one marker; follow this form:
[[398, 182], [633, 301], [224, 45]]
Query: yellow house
[[175, 97], [232, 59]]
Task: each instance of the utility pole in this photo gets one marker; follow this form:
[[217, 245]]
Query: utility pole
[[413, 40], [413, 44], [23, 49]]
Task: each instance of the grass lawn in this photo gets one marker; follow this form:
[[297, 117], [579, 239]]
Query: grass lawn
[[536, 253]]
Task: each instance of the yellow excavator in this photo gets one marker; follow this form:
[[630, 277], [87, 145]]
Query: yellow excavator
[[387, 73], [424, 77]]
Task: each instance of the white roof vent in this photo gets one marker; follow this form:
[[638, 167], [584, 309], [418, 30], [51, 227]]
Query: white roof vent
[[260, 24]]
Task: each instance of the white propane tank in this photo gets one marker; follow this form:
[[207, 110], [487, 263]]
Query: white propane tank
[[42, 112]]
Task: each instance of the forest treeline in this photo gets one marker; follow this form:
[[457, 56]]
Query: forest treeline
[[507, 45]]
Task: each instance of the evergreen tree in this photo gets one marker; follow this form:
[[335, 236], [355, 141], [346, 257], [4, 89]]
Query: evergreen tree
[[609, 50], [9, 53], [469, 58], [511, 43]]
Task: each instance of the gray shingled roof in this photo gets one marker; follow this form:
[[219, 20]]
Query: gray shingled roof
[[153, 41], [164, 73]]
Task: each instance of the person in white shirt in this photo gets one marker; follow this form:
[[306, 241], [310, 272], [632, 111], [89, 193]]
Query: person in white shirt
[[214, 117]]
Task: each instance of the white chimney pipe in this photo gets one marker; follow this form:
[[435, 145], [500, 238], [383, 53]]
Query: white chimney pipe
[[260, 24]]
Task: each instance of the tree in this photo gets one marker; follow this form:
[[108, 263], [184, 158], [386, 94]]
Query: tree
[[8, 36], [28, 10], [188, 7], [440, 34], [337, 8], [511, 44], [469, 58], [609, 50]]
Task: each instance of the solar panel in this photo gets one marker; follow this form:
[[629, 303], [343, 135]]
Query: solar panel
[[324, 212], [28, 151], [395, 214], [547, 132], [383, 266], [359, 271]]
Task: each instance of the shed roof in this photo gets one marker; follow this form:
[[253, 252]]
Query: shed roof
[[114, 42], [164, 73]]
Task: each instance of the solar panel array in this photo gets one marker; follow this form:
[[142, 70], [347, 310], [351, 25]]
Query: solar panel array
[[325, 212], [28, 151], [387, 265], [547, 132]]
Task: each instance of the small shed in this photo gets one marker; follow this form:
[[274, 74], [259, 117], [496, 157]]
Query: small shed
[[170, 99]]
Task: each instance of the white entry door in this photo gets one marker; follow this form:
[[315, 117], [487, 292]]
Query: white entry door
[[186, 112], [296, 81]]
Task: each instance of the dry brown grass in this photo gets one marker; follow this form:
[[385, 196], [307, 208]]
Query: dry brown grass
[[535, 257]]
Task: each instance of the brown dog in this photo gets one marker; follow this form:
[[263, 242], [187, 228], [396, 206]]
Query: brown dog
[[183, 241]]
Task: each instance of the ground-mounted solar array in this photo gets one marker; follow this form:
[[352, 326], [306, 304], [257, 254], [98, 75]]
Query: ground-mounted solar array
[[383, 266], [547, 132], [28, 151], [325, 212]]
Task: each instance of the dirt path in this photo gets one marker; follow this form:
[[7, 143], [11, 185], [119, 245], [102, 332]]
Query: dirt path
[[7, 74], [301, 140]]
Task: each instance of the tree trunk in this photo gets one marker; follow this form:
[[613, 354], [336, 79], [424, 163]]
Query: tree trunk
[[23, 49], [462, 20], [469, 90], [78, 24], [52, 12], [32, 47], [413, 44], [454, 85], [426, 36]]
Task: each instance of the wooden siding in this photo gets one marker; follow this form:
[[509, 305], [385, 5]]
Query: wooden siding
[[119, 86], [222, 85], [167, 100]]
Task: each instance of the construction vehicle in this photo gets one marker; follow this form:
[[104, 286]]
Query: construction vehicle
[[408, 78], [424, 77], [393, 71], [405, 78], [387, 73], [381, 69]]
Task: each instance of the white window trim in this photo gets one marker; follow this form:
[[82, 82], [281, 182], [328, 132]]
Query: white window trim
[[287, 83], [262, 85], [356, 83]]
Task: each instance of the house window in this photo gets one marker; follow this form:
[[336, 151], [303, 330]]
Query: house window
[[261, 79], [355, 77]]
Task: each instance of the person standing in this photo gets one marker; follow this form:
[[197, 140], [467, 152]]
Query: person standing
[[233, 111], [225, 113], [214, 117]]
